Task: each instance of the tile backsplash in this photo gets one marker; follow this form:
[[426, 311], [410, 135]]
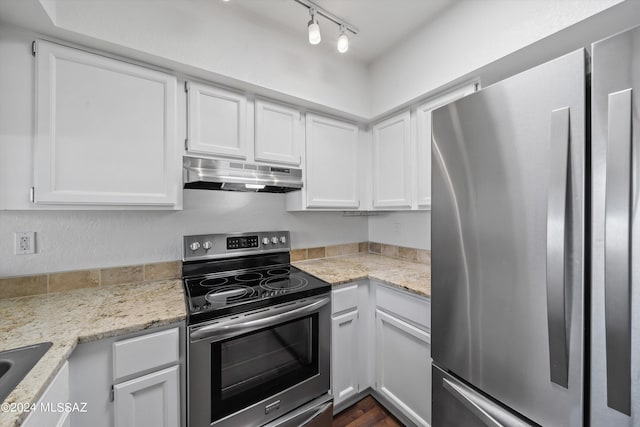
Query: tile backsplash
[[401, 252], [20, 286]]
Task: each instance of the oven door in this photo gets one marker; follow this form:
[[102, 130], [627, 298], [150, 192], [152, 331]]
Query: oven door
[[248, 369]]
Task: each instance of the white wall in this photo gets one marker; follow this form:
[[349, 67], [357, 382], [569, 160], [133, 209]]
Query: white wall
[[465, 37], [411, 229], [69, 240], [221, 39]]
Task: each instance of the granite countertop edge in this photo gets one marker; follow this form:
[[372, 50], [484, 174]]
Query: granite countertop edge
[[406, 275], [404, 287]]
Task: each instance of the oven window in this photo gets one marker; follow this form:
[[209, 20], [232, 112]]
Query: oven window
[[254, 366]]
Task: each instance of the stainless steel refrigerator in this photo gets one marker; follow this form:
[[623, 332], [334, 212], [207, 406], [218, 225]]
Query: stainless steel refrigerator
[[534, 194]]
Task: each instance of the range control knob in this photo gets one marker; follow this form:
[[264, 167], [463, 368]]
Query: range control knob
[[266, 241], [274, 240], [194, 246], [207, 245], [283, 239]]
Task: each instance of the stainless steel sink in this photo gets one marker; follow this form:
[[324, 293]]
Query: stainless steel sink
[[16, 363]]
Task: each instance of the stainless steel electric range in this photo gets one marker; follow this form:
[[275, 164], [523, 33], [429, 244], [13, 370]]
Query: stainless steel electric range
[[259, 340]]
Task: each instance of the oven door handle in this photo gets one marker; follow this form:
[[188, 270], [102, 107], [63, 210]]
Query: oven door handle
[[259, 320]]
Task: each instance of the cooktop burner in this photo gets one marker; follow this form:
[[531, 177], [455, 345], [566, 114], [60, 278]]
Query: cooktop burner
[[228, 294], [280, 283]]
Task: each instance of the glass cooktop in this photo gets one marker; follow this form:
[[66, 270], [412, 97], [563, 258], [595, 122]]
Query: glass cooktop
[[213, 295]]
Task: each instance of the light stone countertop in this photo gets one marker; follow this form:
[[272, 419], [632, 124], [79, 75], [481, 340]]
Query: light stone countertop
[[82, 315], [412, 276]]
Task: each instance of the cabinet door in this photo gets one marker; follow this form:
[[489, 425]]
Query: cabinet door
[[392, 164], [105, 131], [404, 377], [278, 133], [331, 163], [345, 357], [423, 159], [149, 401], [216, 121], [57, 392]]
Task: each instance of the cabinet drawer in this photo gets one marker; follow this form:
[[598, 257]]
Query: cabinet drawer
[[56, 393], [404, 305], [344, 298], [146, 352]]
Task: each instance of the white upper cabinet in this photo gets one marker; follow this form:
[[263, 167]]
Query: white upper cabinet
[[278, 133], [216, 121], [392, 165], [331, 164], [105, 131], [423, 116]]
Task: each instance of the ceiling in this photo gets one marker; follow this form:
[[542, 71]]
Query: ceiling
[[382, 23]]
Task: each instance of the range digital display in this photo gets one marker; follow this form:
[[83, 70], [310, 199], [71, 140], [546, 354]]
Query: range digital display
[[242, 242]]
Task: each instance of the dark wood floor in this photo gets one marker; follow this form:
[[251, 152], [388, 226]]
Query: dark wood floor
[[366, 413]]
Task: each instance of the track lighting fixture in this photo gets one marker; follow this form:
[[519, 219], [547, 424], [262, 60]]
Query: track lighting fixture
[[343, 40], [314, 28]]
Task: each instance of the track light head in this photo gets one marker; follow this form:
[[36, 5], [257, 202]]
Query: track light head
[[314, 28], [343, 40]]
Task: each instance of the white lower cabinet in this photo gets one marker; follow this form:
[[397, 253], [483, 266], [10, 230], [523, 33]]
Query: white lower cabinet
[[350, 368], [47, 410], [403, 351], [381, 339], [130, 381], [149, 401], [403, 366]]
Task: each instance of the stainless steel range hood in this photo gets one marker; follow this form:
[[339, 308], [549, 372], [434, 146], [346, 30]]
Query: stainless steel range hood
[[209, 174]]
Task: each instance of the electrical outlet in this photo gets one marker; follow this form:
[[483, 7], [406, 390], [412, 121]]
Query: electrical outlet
[[25, 242]]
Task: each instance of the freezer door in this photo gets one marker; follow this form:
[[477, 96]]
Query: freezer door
[[615, 274], [508, 240]]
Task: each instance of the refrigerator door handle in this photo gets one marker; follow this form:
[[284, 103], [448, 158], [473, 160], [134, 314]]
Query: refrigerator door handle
[[556, 238], [470, 403], [486, 411], [618, 252]]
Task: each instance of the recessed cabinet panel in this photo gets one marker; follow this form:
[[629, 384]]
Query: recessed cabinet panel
[[278, 133], [392, 165], [217, 121], [404, 377], [105, 131], [331, 163], [345, 356], [149, 401], [423, 116]]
